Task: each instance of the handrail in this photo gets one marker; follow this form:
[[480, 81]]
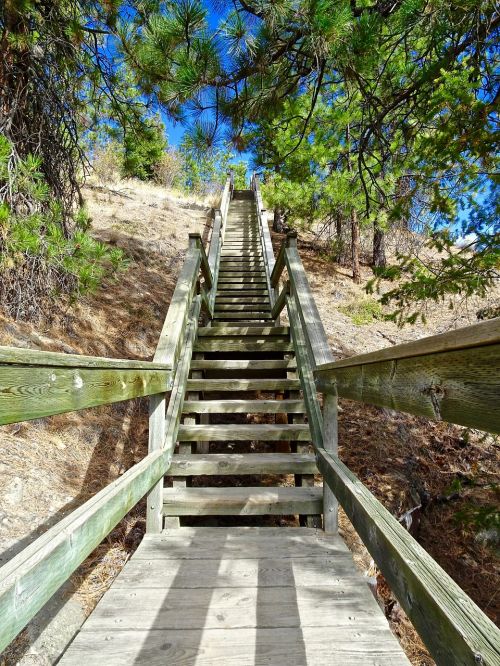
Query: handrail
[[70, 381], [265, 237], [453, 377], [35, 383], [454, 629]]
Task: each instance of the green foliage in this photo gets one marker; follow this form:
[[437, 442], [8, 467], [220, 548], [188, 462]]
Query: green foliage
[[363, 311], [72, 264], [357, 112], [143, 149], [239, 171]]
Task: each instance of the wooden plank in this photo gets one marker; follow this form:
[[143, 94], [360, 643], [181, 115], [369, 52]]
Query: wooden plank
[[454, 629], [235, 608], [247, 314], [243, 406], [279, 265], [226, 345], [330, 441], [33, 392], [204, 265], [244, 288], [316, 340], [460, 386], [280, 301], [242, 384], [236, 432], [33, 357], [477, 335], [247, 307], [210, 331], [171, 335], [195, 574], [305, 374], [241, 501], [243, 300], [242, 364], [354, 645], [251, 463]]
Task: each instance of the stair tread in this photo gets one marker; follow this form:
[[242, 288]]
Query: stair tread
[[211, 331], [237, 432], [242, 500], [243, 463], [243, 384], [243, 406]]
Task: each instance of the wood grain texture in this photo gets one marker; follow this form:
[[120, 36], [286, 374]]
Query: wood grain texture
[[242, 384], [33, 392], [33, 357], [243, 406], [243, 331], [240, 501], [314, 332], [249, 596], [255, 345], [460, 386], [250, 463], [477, 335], [243, 432]]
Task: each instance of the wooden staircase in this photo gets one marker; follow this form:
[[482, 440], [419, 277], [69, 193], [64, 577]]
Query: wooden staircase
[[243, 414]]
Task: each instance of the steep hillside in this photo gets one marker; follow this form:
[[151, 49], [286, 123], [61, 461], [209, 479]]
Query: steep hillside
[[50, 466]]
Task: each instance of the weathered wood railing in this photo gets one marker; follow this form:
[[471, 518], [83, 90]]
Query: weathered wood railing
[[265, 237], [35, 384], [455, 377]]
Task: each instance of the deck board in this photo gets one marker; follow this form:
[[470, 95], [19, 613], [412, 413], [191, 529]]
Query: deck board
[[232, 596]]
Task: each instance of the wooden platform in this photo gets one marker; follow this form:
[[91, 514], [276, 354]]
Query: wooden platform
[[237, 596]]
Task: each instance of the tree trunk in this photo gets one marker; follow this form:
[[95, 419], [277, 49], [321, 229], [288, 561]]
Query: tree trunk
[[338, 238], [279, 223], [356, 272], [379, 259]]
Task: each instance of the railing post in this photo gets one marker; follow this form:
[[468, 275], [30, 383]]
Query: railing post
[[330, 442], [157, 431]]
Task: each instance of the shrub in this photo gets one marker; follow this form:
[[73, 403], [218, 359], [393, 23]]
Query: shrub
[[168, 170], [144, 148], [44, 255], [107, 162], [363, 311]]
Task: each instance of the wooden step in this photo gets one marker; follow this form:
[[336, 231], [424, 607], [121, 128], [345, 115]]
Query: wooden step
[[243, 385], [211, 331], [237, 345], [243, 300], [243, 406], [239, 364], [236, 432], [242, 501], [240, 290], [249, 307], [234, 281], [224, 464]]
